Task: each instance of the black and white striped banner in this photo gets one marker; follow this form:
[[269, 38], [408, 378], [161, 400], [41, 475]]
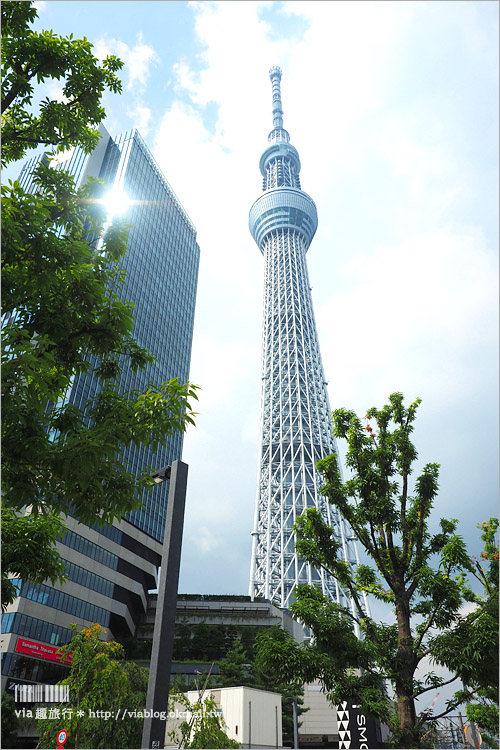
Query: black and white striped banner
[[356, 731], [41, 693]]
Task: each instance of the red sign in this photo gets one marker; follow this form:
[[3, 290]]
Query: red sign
[[23, 646]]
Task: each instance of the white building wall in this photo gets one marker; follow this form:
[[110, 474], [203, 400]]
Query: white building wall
[[321, 718], [253, 717]]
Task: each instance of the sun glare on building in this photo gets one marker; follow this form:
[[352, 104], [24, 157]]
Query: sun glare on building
[[116, 203]]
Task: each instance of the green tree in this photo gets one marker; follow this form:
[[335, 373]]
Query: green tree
[[182, 640], [99, 681], [266, 678], [467, 646], [64, 313], [247, 639], [419, 574], [31, 57], [10, 721], [28, 551], [199, 641], [235, 670], [205, 727]]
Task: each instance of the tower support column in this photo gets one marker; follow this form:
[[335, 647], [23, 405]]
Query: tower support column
[[295, 422]]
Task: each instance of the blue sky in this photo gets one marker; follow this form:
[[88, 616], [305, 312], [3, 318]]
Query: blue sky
[[393, 108]]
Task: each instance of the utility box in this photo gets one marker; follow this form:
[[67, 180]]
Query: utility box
[[252, 717]]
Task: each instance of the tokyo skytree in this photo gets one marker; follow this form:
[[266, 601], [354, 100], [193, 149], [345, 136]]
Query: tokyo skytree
[[295, 427]]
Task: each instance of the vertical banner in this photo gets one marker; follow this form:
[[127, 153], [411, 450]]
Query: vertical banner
[[356, 731]]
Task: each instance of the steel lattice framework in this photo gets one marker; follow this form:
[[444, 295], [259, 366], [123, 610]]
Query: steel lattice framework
[[295, 412]]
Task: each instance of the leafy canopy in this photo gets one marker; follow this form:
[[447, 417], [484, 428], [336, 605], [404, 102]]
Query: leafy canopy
[[31, 57], [205, 726], [100, 680], [28, 551], [468, 648], [64, 312], [420, 575]]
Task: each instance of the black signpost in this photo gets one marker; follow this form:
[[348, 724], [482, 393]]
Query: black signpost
[[356, 731], [153, 735], [363, 729]]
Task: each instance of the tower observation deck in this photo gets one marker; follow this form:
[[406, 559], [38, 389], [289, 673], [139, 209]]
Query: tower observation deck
[[295, 427]]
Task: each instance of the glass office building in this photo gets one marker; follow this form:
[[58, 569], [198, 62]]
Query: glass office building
[[111, 568], [161, 265]]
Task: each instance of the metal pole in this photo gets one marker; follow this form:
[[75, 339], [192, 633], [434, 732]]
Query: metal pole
[[153, 735], [474, 737], [462, 731], [295, 724]]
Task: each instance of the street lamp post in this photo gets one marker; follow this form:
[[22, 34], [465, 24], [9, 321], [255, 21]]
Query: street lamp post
[[295, 715], [153, 735]]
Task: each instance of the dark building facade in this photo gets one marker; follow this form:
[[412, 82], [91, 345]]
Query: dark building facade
[[112, 567]]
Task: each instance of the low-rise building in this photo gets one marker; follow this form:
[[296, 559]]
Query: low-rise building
[[319, 725], [251, 717]]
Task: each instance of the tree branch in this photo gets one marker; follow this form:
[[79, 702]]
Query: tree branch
[[19, 136], [376, 556], [431, 618], [433, 687], [404, 524], [422, 719], [418, 555], [14, 91], [27, 74], [390, 545], [354, 594]]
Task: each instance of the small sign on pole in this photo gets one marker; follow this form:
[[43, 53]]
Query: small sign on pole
[[472, 736]]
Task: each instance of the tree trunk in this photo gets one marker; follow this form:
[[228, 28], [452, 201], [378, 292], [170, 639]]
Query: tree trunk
[[404, 678]]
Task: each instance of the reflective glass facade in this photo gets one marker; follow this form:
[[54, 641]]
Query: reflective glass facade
[[161, 266], [90, 549], [34, 670], [91, 580], [73, 605], [32, 627]]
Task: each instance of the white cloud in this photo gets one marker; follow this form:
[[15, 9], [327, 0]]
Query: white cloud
[[55, 91], [412, 315], [407, 306], [424, 166], [205, 540], [138, 59], [138, 62], [141, 117]]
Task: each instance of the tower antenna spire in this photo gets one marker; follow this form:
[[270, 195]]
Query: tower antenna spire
[[275, 76], [295, 429]]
